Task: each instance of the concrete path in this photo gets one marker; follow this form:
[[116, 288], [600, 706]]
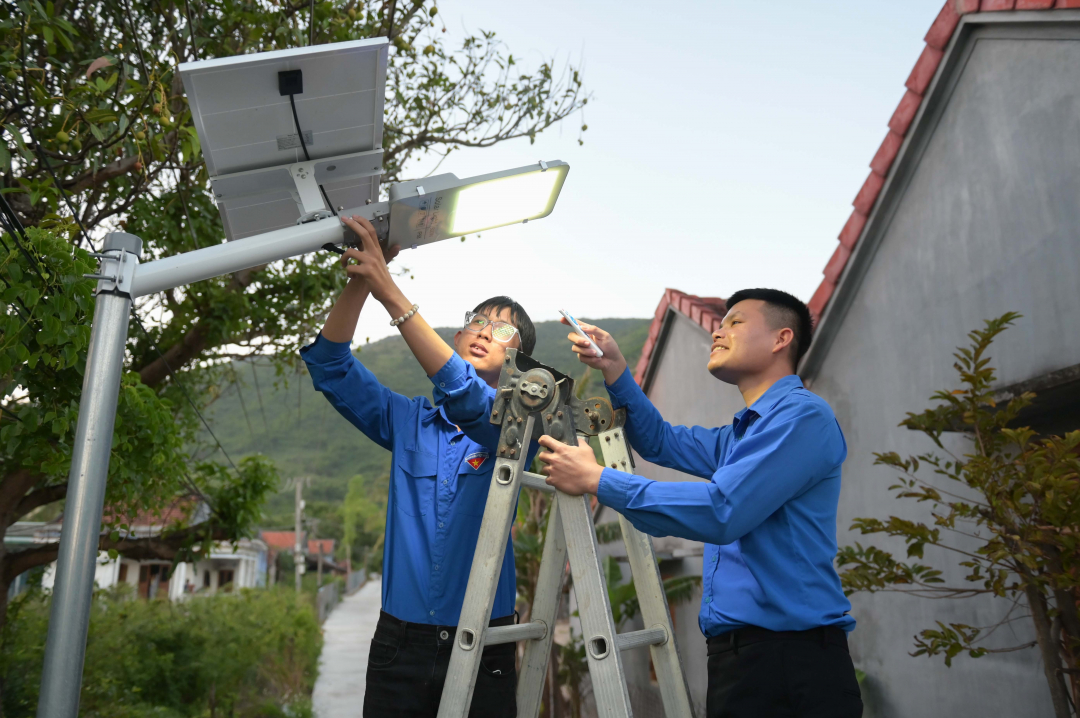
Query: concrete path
[[347, 633]]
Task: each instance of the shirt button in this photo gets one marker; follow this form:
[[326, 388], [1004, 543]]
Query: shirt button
[[708, 599], [444, 482], [436, 567], [444, 635], [440, 524], [442, 383], [431, 613]]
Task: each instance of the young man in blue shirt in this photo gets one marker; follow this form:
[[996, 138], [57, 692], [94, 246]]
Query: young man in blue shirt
[[772, 609], [439, 480]]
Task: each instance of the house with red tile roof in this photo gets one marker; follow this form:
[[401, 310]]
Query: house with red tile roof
[[316, 550], [971, 208], [226, 568]]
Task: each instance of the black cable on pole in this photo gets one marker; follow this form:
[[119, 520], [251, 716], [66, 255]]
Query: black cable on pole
[[15, 229], [303, 145], [299, 132]]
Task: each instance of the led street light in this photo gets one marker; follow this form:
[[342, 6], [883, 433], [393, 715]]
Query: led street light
[[441, 207]]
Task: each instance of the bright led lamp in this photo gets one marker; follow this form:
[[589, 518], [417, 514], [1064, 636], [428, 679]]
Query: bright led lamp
[[504, 201], [441, 207]]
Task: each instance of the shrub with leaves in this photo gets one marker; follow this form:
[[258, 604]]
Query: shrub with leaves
[[44, 337], [1008, 508], [251, 654]]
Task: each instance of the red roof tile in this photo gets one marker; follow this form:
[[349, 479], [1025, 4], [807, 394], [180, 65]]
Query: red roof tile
[[924, 70], [941, 31], [937, 39], [821, 298], [864, 201], [852, 230], [279, 540], [285, 540], [836, 263], [178, 511], [890, 146], [905, 113], [707, 312]]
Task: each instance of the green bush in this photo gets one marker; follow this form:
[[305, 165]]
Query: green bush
[[250, 655]]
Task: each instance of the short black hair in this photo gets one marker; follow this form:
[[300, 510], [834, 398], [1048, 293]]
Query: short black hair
[[784, 312], [518, 317]]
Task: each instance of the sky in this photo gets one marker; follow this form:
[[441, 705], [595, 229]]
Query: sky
[[726, 141]]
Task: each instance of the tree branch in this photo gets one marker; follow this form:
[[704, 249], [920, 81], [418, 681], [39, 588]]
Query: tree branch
[[195, 341], [104, 174], [12, 490], [40, 497]]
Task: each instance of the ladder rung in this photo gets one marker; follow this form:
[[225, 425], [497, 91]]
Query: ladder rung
[[536, 481], [532, 631], [644, 637]]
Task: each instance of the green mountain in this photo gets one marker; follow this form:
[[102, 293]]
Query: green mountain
[[288, 421]]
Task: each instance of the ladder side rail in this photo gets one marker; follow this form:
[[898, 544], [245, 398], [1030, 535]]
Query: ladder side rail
[[483, 581], [594, 609], [650, 591], [549, 585]]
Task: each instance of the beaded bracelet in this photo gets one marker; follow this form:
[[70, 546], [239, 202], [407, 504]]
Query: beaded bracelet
[[407, 315]]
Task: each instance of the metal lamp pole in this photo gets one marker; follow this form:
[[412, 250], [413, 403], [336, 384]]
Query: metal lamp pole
[[69, 617], [120, 280]]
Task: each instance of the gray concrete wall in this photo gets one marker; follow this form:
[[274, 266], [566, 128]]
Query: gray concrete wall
[[990, 222]]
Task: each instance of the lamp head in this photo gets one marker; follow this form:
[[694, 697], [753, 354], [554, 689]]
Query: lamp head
[[441, 207]]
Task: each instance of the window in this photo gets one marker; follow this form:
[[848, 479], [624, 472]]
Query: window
[[225, 579]]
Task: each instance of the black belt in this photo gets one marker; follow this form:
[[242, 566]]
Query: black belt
[[428, 629], [733, 640]]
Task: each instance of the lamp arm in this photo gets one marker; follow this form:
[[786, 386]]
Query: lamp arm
[[228, 257]]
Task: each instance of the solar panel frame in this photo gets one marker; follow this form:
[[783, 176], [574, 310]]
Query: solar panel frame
[[246, 127]]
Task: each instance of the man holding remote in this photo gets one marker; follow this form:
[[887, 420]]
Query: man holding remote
[[439, 480], [772, 609]]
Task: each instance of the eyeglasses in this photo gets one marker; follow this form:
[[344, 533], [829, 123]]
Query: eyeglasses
[[500, 331]]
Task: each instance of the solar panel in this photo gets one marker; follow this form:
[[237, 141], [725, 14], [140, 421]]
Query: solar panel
[[259, 174]]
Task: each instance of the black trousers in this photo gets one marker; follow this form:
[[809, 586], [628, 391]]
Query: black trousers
[[407, 668], [756, 673]]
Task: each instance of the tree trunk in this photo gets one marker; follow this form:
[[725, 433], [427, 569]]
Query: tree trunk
[[1051, 655], [3, 622]]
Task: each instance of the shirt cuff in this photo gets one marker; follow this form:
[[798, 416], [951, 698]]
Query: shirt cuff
[[324, 351], [614, 486], [621, 390], [453, 376]]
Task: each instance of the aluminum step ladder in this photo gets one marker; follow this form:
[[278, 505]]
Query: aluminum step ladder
[[534, 399]]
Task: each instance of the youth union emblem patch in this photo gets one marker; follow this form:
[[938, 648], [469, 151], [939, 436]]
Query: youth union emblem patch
[[476, 460]]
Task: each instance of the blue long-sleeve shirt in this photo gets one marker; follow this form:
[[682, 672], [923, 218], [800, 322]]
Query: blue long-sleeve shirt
[[767, 514], [439, 480]]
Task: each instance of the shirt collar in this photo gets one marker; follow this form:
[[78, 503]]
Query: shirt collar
[[771, 397]]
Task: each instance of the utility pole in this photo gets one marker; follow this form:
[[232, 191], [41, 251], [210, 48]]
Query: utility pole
[[318, 545], [298, 554]]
